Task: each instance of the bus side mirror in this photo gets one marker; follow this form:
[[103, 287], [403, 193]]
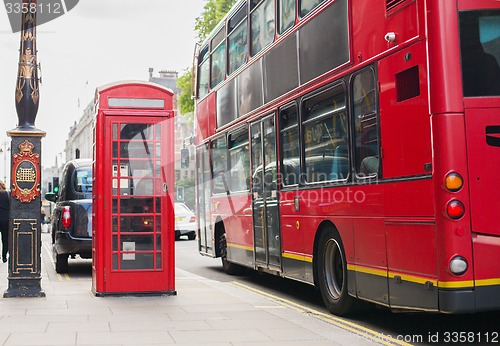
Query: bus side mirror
[[184, 158]]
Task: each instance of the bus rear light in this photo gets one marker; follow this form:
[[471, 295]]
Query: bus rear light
[[66, 217], [458, 265], [455, 210], [453, 182]]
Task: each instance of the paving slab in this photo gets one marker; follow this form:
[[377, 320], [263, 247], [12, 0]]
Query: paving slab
[[203, 312]]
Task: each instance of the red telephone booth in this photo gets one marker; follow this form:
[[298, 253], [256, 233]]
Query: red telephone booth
[[133, 214]]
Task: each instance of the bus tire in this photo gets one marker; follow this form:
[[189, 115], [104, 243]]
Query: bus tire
[[228, 267], [332, 274]]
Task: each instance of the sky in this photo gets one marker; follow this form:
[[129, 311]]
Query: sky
[[96, 43]]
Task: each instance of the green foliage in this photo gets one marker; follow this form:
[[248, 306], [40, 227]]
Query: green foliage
[[212, 14], [186, 103], [214, 11]]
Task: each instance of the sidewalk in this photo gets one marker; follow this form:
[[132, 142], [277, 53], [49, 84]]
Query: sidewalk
[[204, 312]]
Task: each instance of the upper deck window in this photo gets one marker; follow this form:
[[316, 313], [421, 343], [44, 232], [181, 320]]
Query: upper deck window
[[261, 24], [307, 6], [480, 50], [203, 72], [237, 39], [218, 62], [286, 14]]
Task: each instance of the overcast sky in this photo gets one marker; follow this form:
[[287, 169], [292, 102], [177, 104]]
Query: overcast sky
[[98, 42]]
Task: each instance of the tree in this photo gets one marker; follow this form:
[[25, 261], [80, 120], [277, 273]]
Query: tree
[[185, 101], [214, 11]]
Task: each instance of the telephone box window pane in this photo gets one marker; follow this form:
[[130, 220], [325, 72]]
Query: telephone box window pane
[[136, 224], [158, 131], [115, 262], [133, 243], [115, 131], [115, 243], [158, 224], [136, 150], [114, 183], [136, 205], [115, 205], [132, 261], [115, 150], [158, 149], [158, 242], [158, 205], [136, 131], [114, 225], [126, 187], [158, 168], [142, 187], [158, 261]]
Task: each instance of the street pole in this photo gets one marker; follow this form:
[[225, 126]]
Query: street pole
[[25, 216]]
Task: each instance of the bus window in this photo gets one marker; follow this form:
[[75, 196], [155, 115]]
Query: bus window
[[286, 13], [307, 6], [239, 160], [237, 40], [365, 124], [261, 25], [479, 37], [203, 73], [326, 136], [290, 148], [218, 67], [219, 165]]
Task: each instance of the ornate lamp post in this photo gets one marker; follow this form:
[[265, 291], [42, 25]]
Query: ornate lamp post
[[25, 231]]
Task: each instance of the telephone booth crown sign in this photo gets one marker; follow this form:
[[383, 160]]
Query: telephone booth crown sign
[[133, 163]]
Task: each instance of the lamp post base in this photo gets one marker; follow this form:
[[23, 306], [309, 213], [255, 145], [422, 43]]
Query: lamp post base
[[25, 216]]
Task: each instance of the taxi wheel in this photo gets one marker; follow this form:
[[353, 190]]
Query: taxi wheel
[[332, 274], [61, 262]]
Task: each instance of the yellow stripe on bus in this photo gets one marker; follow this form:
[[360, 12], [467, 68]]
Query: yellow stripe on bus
[[297, 257], [390, 274], [487, 282], [243, 247]]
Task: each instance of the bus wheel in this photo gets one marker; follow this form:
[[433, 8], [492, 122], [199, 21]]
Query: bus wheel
[[228, 267], [332, 274]]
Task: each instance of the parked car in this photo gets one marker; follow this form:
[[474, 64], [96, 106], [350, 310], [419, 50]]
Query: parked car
[[72, 215], [185, 221]]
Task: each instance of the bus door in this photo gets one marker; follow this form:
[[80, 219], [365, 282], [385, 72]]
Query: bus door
[[205, 244], [267, 240]]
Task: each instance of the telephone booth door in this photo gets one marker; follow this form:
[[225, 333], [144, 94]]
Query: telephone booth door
[[134, 231]]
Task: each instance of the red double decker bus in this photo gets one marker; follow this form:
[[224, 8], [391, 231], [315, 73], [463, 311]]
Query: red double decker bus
[[353, 145]]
